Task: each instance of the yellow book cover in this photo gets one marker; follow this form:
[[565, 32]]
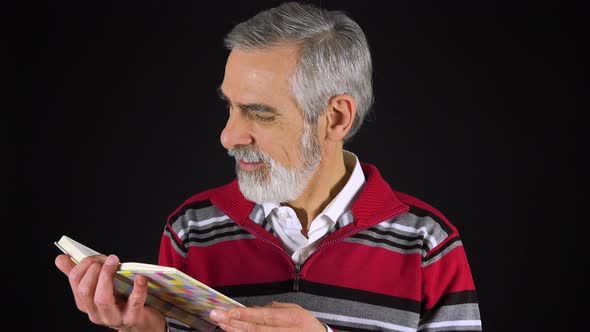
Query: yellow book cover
[[172, 292]]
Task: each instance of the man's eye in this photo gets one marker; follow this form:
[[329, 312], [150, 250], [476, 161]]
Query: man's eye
[[263, 118]]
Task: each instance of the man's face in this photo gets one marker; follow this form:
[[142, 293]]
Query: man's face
[[275, 152]]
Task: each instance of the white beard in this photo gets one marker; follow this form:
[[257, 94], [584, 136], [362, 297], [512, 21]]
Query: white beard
[[274, 182]]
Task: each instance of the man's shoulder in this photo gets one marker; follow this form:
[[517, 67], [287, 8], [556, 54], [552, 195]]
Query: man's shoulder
[[202, 200], [207, 216], [422, 211], [415, 202]]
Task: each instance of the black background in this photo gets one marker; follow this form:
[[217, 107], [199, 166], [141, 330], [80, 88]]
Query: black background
[[477, 112]]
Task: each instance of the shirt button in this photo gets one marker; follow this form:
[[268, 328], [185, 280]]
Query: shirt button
[[283, 215]]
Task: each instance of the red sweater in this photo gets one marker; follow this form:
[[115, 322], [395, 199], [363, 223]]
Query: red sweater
[[399, 266]]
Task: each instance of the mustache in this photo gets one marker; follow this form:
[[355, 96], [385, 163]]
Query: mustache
[[248, 153]]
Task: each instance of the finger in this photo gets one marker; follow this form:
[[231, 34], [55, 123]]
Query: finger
[[84, 293], [219, 315], [64, 263], [267, 316], [232, 325], [275, 304], [136, 301], [104, 296], [239, 326], [94, 258], [77, 274], [225, 327]]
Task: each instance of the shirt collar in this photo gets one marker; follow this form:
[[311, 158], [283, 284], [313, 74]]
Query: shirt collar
[[343, 200]]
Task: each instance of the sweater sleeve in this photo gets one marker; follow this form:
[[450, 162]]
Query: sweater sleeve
[[449, 300], [172, 250]]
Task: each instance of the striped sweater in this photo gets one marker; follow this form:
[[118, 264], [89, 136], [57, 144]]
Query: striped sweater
[[399, 266]]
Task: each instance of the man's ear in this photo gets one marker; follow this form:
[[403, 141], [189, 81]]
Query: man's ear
[[340, 115]]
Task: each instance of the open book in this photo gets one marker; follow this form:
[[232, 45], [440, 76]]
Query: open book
[[172, 292]]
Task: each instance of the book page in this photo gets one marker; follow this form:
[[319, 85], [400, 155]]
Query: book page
[[184, 292], [139, 267]]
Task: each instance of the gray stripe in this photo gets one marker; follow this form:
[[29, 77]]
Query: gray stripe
[[384, 246], [345, 219], [464, 311], [451, 328], [441, 254], [421, 230], [181, 327], [411, 225], [340, 307], [181, 224], [390, 235], [176, 322], [222, 238], [452, 325], [181, 251], [257, 214], [202, 224], [356, 323], [267, 225], [228, 227]]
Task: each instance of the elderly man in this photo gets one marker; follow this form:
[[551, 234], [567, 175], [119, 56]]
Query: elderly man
[[307, 237]]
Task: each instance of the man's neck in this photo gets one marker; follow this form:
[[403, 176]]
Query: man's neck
[[328, 180]]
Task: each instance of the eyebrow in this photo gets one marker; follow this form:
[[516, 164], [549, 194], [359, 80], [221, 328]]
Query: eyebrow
[[253, 107]]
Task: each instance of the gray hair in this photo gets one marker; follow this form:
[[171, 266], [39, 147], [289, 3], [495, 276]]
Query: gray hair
[[334, 55]]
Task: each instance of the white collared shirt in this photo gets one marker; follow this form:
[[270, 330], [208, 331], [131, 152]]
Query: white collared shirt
[[287, 226]]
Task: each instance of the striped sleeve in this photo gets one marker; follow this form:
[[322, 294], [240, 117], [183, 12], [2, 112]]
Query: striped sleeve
[[172, 251], [449, 301], [196, 224], [173, 244]]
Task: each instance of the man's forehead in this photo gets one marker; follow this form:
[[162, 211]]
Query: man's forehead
[[258, 74]]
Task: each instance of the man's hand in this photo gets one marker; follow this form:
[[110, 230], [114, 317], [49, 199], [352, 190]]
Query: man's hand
[[92, 285], [272, 317]]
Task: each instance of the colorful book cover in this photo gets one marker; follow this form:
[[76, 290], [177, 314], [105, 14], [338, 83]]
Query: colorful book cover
[[172, 292]]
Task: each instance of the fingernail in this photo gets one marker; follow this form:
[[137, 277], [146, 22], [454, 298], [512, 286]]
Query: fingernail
[[216, 314], [234, 314], [112, 260], [141, 281]]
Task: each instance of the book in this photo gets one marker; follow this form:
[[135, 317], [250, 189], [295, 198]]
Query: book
[[170, 291]]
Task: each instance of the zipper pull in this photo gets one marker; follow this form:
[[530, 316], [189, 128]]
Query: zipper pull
[[296, 280]]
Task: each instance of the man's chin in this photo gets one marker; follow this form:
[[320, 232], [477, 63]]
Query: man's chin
[[253, 193], [249, 166], [254, 176]]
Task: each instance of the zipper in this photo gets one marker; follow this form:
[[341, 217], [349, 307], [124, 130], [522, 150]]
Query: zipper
[[296, 280], [340, 238], [272, 244], [282, 250]]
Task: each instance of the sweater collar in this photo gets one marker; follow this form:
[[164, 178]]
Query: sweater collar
[[375, 201], [230, 200]]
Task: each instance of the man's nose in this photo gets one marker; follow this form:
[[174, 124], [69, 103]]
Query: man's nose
[[236, 132]]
